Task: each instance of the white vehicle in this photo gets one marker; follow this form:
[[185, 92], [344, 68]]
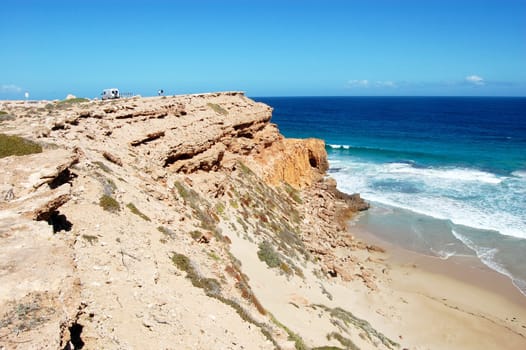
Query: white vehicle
[[108, 94]]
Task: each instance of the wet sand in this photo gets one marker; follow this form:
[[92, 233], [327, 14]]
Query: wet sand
[[454, 303], [467, 269]]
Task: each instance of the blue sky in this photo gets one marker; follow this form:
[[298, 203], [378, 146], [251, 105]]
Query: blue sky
[[266, 48]]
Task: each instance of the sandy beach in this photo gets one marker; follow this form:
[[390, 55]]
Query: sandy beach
[[456, 303]]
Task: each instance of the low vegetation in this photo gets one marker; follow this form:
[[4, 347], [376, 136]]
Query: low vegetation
[[72, 101], [293, 193], [137, 212], [12, 145], [268, 255], [166, 231], [108, 185], [212, 288], [109, 203], [299, 344], [202, 210], [234, 271], [348, 343], [217, 108], [196, 234], [273, 259], [338, 314], [90, 238], [210, 285], [103, 166], [4, 116], [25, 316]]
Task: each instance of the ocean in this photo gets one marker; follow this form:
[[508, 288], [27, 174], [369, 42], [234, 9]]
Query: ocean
[[445, 176]]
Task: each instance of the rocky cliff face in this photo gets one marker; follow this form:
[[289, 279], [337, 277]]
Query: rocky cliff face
[[147, 223], [299, 163]]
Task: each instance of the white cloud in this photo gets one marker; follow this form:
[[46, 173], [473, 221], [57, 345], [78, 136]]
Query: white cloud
[[475, 80], [386, 83], [10, 88], [364, 83], [358, 83]]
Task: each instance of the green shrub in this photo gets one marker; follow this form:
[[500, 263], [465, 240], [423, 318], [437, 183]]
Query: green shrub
[[348, 343], [12, 145], [214, 256], [210, 285], [349, 319], [267, 254], [182, 262], [136, 211], [286, 269], [109, 203], [196, 234], [220, 208]]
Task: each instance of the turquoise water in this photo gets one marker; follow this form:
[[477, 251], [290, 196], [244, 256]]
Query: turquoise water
[[446, 176]]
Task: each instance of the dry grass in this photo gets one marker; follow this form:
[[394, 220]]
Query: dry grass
[[299, 344], [25, 315], [109, 203], [12, 145], [90, 238], [338, 314], [137, 212], [348, 343], [212, 288], [103, 167], [4, 116], [71, 101], [217, 108]]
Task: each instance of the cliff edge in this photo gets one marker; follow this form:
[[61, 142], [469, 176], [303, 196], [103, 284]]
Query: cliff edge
[[175, 222]]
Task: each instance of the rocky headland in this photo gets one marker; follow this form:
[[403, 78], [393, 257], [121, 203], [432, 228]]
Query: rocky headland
[[190, 222]]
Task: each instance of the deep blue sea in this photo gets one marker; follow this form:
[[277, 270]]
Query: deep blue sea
[[446, 175]]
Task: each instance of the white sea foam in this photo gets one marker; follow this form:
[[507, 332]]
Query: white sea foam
[[487, 256], [467, 197], [519, 173], [442, 254], [457, 174], [336, 146]]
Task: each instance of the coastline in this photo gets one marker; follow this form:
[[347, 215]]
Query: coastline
[[446, 291], [346, 291]]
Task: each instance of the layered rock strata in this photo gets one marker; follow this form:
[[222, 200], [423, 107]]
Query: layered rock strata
[[126, 231]]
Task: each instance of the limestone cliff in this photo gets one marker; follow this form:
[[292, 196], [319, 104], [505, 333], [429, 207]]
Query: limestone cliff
[[169, 223], [298, 162]]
